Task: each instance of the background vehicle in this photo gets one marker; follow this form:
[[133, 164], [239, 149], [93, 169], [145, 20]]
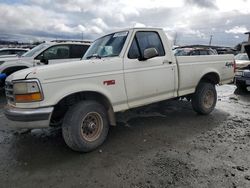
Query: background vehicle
[[242, 78], [121, 70], [12, 52], [242, 61], [194, 51], [43, 54]]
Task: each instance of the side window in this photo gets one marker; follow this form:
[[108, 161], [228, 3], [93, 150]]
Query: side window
[[20, 52], [77, 51], [203, 52], [148, 39], [133, 51], [194, 52], [55, 52], [5, 52]]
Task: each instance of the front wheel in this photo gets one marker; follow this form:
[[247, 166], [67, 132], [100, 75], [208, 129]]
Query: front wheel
[[204, 99], [85, 126]]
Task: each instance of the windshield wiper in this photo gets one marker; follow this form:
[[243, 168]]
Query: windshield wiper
[[94, 55]]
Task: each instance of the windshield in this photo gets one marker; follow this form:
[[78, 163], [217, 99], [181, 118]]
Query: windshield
[[107, 46], [35, 50], [241, 57]]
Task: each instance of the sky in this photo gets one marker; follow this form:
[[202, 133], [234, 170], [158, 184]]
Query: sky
[[184, 21]]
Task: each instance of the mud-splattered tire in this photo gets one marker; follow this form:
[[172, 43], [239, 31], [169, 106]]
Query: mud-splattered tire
[[204, 99], [85, 126]]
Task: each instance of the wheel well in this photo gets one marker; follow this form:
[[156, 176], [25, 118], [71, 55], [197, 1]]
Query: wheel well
[[64, 104], [11, 70], [212, 77]]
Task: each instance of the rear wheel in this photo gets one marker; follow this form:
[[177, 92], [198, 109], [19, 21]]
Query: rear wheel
[[204, 99], [85, 126]]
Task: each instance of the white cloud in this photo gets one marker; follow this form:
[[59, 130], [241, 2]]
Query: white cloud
[[139, 25], [237, 30], [193, 20]]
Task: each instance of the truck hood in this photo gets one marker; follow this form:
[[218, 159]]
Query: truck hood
[[65, 71]]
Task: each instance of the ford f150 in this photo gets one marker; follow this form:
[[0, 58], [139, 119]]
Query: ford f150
[[121, 70]]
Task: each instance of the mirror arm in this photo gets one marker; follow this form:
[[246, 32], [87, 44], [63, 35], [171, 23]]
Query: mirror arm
[[142, 58]]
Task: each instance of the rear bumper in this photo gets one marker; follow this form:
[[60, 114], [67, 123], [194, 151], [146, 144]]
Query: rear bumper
[[28, 118]]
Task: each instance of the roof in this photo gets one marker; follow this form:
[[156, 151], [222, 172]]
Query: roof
[[72, 41], [13, 49], [54, 42], [130, 29]]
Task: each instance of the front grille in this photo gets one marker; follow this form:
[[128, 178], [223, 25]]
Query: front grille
[[247, 73], [9, 92]]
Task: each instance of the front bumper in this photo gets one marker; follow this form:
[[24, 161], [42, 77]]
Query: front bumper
[[240, 80], [28, 118]]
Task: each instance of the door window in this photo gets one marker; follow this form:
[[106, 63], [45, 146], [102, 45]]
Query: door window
[[56, 52], [203, 52], [144, 40], [5, 52], [77, 51]]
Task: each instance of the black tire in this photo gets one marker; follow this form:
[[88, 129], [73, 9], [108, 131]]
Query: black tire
[[81, 120], [204, 99]]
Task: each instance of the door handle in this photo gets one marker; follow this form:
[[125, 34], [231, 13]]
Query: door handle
[[166, 61]]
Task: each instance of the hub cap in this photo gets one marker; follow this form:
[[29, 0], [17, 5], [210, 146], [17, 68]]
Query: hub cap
[[208, 100], [92, 126]]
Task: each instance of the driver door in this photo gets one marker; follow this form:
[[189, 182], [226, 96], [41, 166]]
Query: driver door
[[150, 80]]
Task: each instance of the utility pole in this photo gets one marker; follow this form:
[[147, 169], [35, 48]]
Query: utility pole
[[175, 38], [210, 41]]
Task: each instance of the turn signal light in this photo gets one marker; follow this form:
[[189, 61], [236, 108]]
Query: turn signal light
[[31, 97]]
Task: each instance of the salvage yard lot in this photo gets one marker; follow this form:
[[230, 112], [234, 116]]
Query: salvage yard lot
[[160, 145]]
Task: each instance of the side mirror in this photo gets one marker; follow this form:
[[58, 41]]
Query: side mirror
[[150, 53], [44, 61]]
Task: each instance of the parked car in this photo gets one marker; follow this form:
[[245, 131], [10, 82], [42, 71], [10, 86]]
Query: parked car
[[12, 52], [242, 61], [194, 51], [122, 70], [242, 79], [43, 54]]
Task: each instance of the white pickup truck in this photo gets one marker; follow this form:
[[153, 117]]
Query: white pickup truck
[[121, 70]]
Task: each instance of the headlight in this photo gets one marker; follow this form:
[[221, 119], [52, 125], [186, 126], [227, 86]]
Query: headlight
[[239, 73], [27, 91]]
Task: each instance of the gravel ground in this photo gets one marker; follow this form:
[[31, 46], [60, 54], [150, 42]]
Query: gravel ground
[[160, 145]]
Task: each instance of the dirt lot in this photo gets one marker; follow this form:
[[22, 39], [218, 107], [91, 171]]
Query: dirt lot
[[161, 145]]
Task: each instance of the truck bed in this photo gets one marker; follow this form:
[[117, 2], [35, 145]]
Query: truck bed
[[192, 68]]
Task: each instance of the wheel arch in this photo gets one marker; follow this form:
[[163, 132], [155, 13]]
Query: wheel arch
[[73, 98], [9, 70], [211, 77]]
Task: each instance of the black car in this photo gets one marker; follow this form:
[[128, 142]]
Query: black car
[[242, 79]]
